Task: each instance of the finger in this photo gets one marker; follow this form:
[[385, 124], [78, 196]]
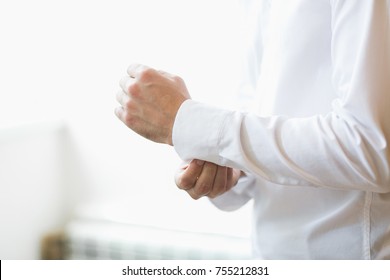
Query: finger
[[125, 83], [179, 173], [120, 113], [236, 174], [186, 177], [220, 182], [122, 98], [229, 179], [134, 70], [205, 182]]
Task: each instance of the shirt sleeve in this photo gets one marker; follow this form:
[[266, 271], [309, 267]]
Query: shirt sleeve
[[344, 149], [237, 196]]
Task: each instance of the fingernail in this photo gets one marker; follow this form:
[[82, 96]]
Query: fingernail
[[199, 162]]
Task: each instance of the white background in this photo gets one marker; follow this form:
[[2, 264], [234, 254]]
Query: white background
[[60, 63]]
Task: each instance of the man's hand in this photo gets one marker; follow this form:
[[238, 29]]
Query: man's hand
[[199, 178], [149, 102]]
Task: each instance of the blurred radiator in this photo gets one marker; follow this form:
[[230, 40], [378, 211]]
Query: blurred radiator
[[104, 240]]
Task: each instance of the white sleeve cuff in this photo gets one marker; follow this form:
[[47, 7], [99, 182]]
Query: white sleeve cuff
[[238, 196], [195, 134]]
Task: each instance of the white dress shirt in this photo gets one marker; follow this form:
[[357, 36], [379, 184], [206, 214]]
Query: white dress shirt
[[315, 145]]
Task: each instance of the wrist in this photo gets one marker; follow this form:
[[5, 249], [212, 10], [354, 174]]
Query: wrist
[[171, 137]]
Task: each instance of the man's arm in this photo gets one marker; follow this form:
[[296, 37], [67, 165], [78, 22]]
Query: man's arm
[[346, 149]]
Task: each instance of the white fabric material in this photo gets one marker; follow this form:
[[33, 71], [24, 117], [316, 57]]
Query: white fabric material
[[315, 150]]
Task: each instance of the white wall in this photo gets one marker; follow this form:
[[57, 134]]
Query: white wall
[[31, 195], [63, 60]]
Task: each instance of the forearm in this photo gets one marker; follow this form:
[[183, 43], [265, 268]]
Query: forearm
[[317, 151]]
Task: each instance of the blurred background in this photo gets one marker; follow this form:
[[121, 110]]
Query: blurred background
[[75, 182]]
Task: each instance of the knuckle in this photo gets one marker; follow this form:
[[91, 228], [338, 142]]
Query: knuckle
[[130, 120], [212, 195], [202, 189], [178, 79], [147, 75], [185, 183], [134, 90], [194, 196], [130, 105], [218, 190]]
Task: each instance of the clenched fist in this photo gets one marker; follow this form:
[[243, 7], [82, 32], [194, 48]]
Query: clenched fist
[[149, 102]]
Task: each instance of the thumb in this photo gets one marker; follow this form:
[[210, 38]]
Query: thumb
[[187, 174]]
